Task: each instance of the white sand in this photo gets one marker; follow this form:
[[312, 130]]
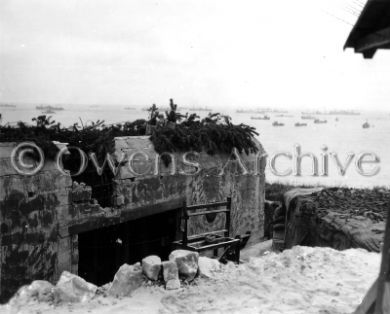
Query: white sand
[[301, 280]]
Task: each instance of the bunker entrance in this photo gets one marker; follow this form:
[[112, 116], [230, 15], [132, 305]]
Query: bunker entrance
[[102, 251]]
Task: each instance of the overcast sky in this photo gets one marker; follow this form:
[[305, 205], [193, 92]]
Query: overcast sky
[[200, 52]]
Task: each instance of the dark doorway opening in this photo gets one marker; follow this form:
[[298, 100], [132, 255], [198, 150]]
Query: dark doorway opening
[[102, 251]]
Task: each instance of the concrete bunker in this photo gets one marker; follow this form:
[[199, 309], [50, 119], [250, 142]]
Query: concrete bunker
[[51, 222]]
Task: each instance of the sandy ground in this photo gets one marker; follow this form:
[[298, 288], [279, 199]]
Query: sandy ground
[[300, 280]]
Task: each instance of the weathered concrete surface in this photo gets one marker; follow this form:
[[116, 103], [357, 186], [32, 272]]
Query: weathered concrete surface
[[31, 208], [208, 185], [336, 218], [37, 212]]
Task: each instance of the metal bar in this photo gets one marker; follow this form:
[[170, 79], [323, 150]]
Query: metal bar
[[209, 212], [207, 205]]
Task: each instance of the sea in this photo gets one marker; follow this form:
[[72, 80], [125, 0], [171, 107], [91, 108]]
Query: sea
[[340, 143]]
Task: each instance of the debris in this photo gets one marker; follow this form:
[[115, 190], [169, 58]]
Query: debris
[[38, 290], [151, 266], [173, 284], [187, 263], [207, 266], [127, 279], [72, 288], [171, 275]]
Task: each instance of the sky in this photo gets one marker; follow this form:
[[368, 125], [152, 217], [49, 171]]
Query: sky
[[230, 53]]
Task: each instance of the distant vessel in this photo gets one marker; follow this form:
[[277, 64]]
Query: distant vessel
[[345, 112], [365, 125], [276, 123], [7, 106], [282, 115], [49, 108], [199, 109], [261, 118], [261, 110], [307, 117], [48, 111], [318, 121], [129, 108], [300, 124]]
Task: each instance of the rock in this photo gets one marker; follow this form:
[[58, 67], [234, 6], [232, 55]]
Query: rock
[[171, 275], [208, 266], [151, 266], [187, 263], [72, 288], [38, 290], [170, 270], [127, 279], [173, 284]]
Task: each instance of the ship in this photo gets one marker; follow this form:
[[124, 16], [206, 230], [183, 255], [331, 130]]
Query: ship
[[276, 123], [51, 108], [261, 118], [365, 125], [318, 121], [307, 117], [300, 124]]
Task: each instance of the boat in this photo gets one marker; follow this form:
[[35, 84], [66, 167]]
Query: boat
[[300, 124], [129, 108], [276, 123], [318, 121], [365, 125], [344, 112], [282, 115], [48, 111], [307, 117], [51, 108], [199, 109], [261, 118]]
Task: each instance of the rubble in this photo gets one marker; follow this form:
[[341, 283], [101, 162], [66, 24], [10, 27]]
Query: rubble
[[127, 279], [72, 288], [171, 275], [187, 263], [208, 266], [151, 266], [38, 290]]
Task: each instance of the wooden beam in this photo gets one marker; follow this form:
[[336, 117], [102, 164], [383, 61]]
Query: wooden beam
[[373, 41], [92, 223], [149, 210]]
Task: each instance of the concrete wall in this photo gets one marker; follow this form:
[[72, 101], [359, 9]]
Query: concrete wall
[[246, 191], [41, 215], [31, 208]]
